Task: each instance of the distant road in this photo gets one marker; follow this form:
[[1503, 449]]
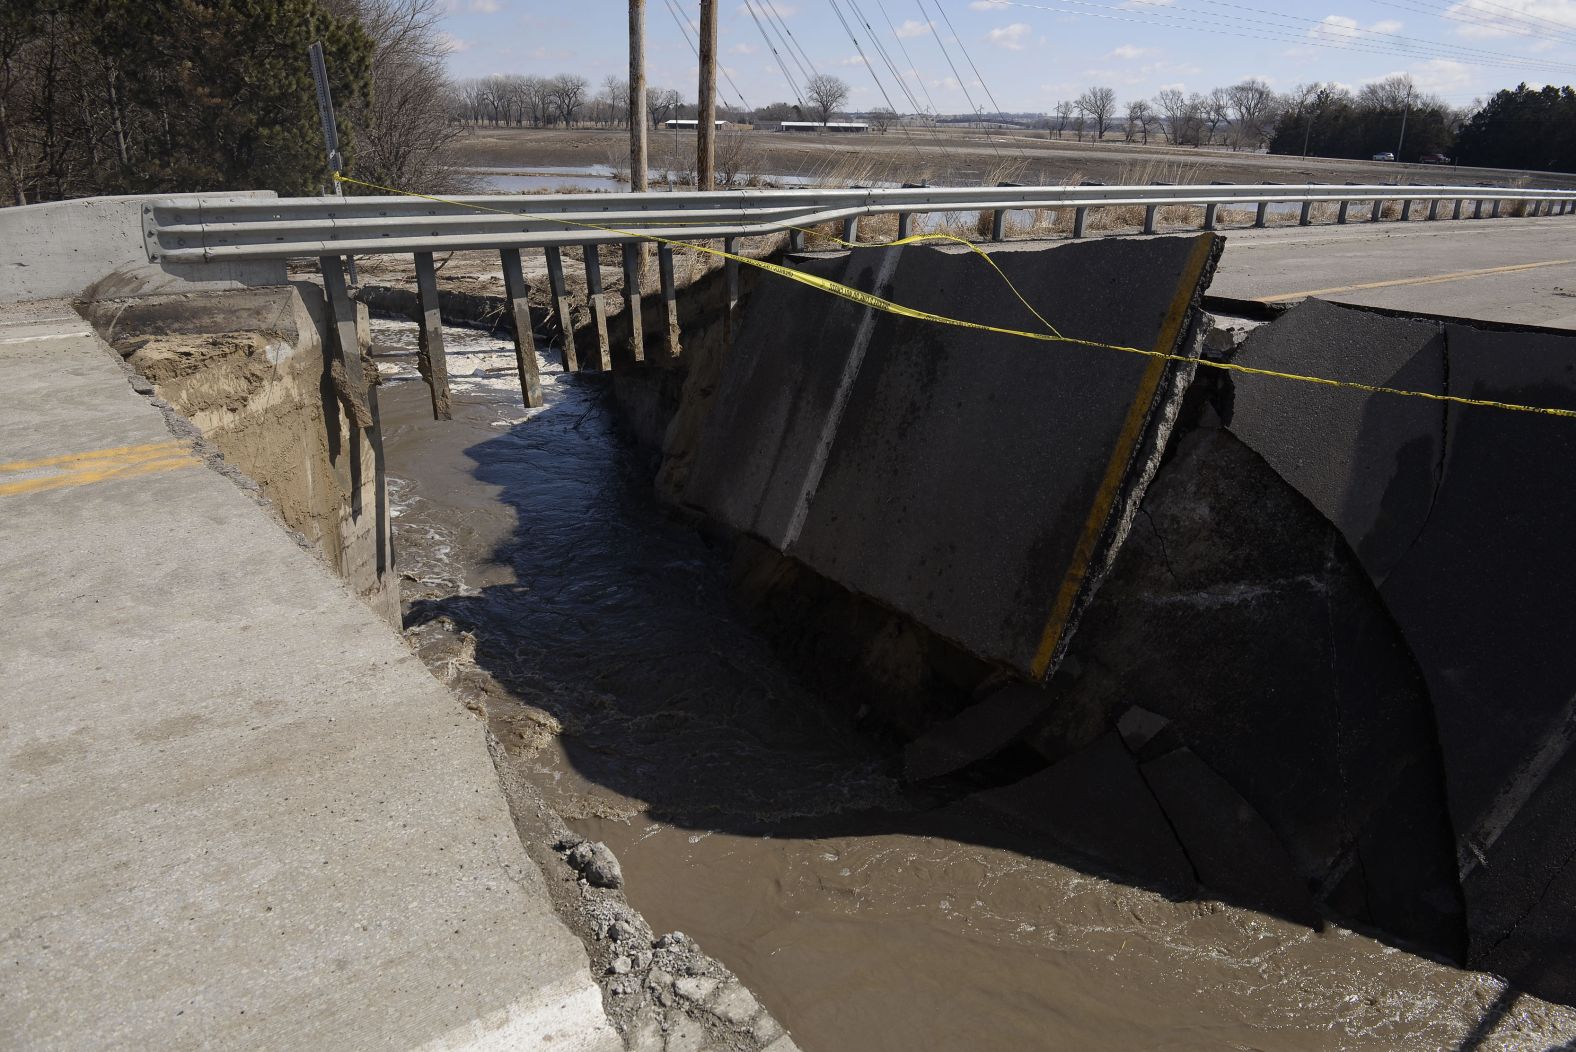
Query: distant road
[[1510, 270]]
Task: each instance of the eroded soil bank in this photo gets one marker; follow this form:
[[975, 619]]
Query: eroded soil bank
[[594, 632]]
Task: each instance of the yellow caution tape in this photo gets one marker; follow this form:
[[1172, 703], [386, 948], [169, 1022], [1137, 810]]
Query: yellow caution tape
[[873, 302]]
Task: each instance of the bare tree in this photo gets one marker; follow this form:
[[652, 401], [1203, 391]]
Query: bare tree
[[662, 103], [403, 130], [567, 93], [826, 94], [881, 118], [1253, 107], [1182, 113], [1140, 117], [1100, 105], [615, 92], [1064, 113]]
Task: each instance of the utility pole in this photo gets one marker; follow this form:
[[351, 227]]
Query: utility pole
[[637, 95], [706, 119], [1406, 111]]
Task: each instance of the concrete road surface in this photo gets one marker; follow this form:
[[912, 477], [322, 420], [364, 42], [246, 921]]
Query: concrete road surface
[[238, 811], [1509, 270]]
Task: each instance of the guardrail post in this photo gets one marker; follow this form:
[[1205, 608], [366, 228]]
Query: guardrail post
[[1536, 209], [1378, 210], [730, 278], [1433, 210], [851, 229], [1209, 216], [1455, 213], [1477, 209], [1406, 209], [1080, 220], [561, 312], [598, 301], [998, 225], [1340, 216], [347, 345], [1305, 216], [670, 300], [796, 241], [904, 222], [637, 331], [524, 342], [429, 338], [1494, 213], [1263, 214]]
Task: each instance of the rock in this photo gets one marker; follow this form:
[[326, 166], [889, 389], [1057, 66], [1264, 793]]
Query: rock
[[734, 1004], [766, 1029], [695, 988], [595, 862], [645, 1033], [568, 842], [620, 966], [672, 939], [641, 959], [618, 932], [686, 1035], [1147, 735], [658, 979], [782, 1044]]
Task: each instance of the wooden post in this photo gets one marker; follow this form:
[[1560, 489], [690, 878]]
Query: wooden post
[[706, 119], [1209, 216], [1305, 216], [360, 404], [796, 241], [1264, 209], [670, 301], [851, 229], [903, 219], [637, 335], [637, 95], [429, 334], [524, 342], [1433, 209], [1477, 209], [730, 277], [1455, 213], [1495, 213], [598, 332], [1406, 210], [561, 312], [347, 347], [1346, 206], [1080, 220], [1378, 210]]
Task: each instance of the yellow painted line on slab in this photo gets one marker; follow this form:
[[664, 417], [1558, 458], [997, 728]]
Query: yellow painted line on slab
[[1122, 455], [1427, 279], [101, 465], [110, 453]]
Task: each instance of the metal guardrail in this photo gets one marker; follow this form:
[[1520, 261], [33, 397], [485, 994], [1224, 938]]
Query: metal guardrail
[[183, 231], [225, 229]]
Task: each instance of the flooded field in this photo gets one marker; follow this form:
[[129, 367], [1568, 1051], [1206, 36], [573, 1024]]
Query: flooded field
[[541, 578]]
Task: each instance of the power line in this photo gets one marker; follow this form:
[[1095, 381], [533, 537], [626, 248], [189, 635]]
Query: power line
[[1512, 15], [981, 80], [925, 16], [790, 42], [799, 98], [688, 32], [877, 78], [907, 58]]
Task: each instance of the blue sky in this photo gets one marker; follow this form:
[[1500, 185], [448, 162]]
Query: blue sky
[[1030, 55]]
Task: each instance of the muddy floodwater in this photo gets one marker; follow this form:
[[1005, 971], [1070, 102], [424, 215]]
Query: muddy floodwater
[[540, 575]]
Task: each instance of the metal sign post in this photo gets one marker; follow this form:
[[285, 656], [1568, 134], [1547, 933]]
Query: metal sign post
[[325, 111]]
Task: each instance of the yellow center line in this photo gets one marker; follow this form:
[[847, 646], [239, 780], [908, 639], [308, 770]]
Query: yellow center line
[[111, 453], [100, 465], [1427, 279]]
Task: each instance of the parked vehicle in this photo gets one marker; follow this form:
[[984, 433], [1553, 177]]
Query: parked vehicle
[[1386, 156], [1434, 158]]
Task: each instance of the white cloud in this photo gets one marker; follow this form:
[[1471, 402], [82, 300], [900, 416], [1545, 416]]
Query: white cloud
[[853, 60], [1441, 76], [1132, 5], [1487, 19], [743, 49], [452, 44], [987, 5], [485, 7], [1009, 37], [1339, 28], [913, 28], [1130, 51]]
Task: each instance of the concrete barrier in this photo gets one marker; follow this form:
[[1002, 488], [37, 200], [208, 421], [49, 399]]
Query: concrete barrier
[[92, 248]]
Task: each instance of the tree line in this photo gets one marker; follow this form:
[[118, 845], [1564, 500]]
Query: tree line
[[165, 96]]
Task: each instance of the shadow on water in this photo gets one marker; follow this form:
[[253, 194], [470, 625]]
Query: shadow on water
[[612, 615]]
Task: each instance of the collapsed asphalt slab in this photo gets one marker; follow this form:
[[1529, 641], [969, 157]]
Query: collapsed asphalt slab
[[975, 481]]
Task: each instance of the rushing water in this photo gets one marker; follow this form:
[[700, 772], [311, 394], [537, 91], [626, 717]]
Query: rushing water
[[540, 575]]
